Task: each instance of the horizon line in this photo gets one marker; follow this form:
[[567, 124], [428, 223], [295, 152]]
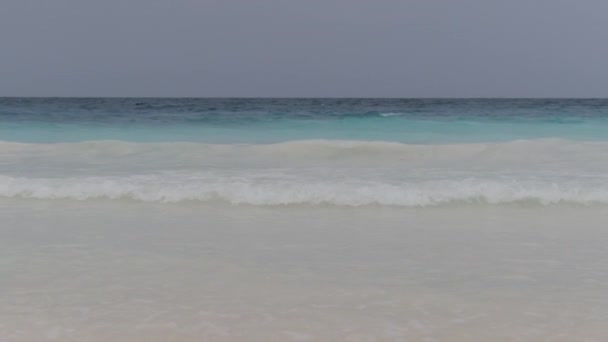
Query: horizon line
[[319, 97]]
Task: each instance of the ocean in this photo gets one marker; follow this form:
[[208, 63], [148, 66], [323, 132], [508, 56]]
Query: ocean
[[151, 219]]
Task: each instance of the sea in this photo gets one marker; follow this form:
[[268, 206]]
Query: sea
[[200, 219]]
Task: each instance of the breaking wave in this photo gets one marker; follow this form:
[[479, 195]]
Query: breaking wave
[[311, 172], [276, 192]]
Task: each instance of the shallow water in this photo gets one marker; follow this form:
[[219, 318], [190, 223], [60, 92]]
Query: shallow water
[[102, 270]]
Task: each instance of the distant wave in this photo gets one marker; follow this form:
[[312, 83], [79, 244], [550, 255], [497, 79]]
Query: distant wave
[[277, 192], [552, 155], [311, 148], [390, 114]]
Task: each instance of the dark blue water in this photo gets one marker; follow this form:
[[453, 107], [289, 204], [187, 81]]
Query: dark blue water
[[275, 120]]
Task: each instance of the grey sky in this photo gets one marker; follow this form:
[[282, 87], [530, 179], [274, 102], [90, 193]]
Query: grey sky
[[329, 48]]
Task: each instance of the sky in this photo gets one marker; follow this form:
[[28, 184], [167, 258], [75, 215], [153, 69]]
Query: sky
[[304, 48]]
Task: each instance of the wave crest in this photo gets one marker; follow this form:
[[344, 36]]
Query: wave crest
[[317, 150]]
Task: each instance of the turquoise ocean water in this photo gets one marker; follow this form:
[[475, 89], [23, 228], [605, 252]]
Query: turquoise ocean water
[[353, 152], [425, 121]]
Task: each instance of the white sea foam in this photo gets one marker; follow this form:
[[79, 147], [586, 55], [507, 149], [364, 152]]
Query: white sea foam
[[272, 192], [316, 172]]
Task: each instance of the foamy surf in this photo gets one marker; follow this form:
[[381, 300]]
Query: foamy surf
[[312, 172], [282, 190]]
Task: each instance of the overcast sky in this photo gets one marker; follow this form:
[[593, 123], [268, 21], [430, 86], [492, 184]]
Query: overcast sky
[[304, 48]]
